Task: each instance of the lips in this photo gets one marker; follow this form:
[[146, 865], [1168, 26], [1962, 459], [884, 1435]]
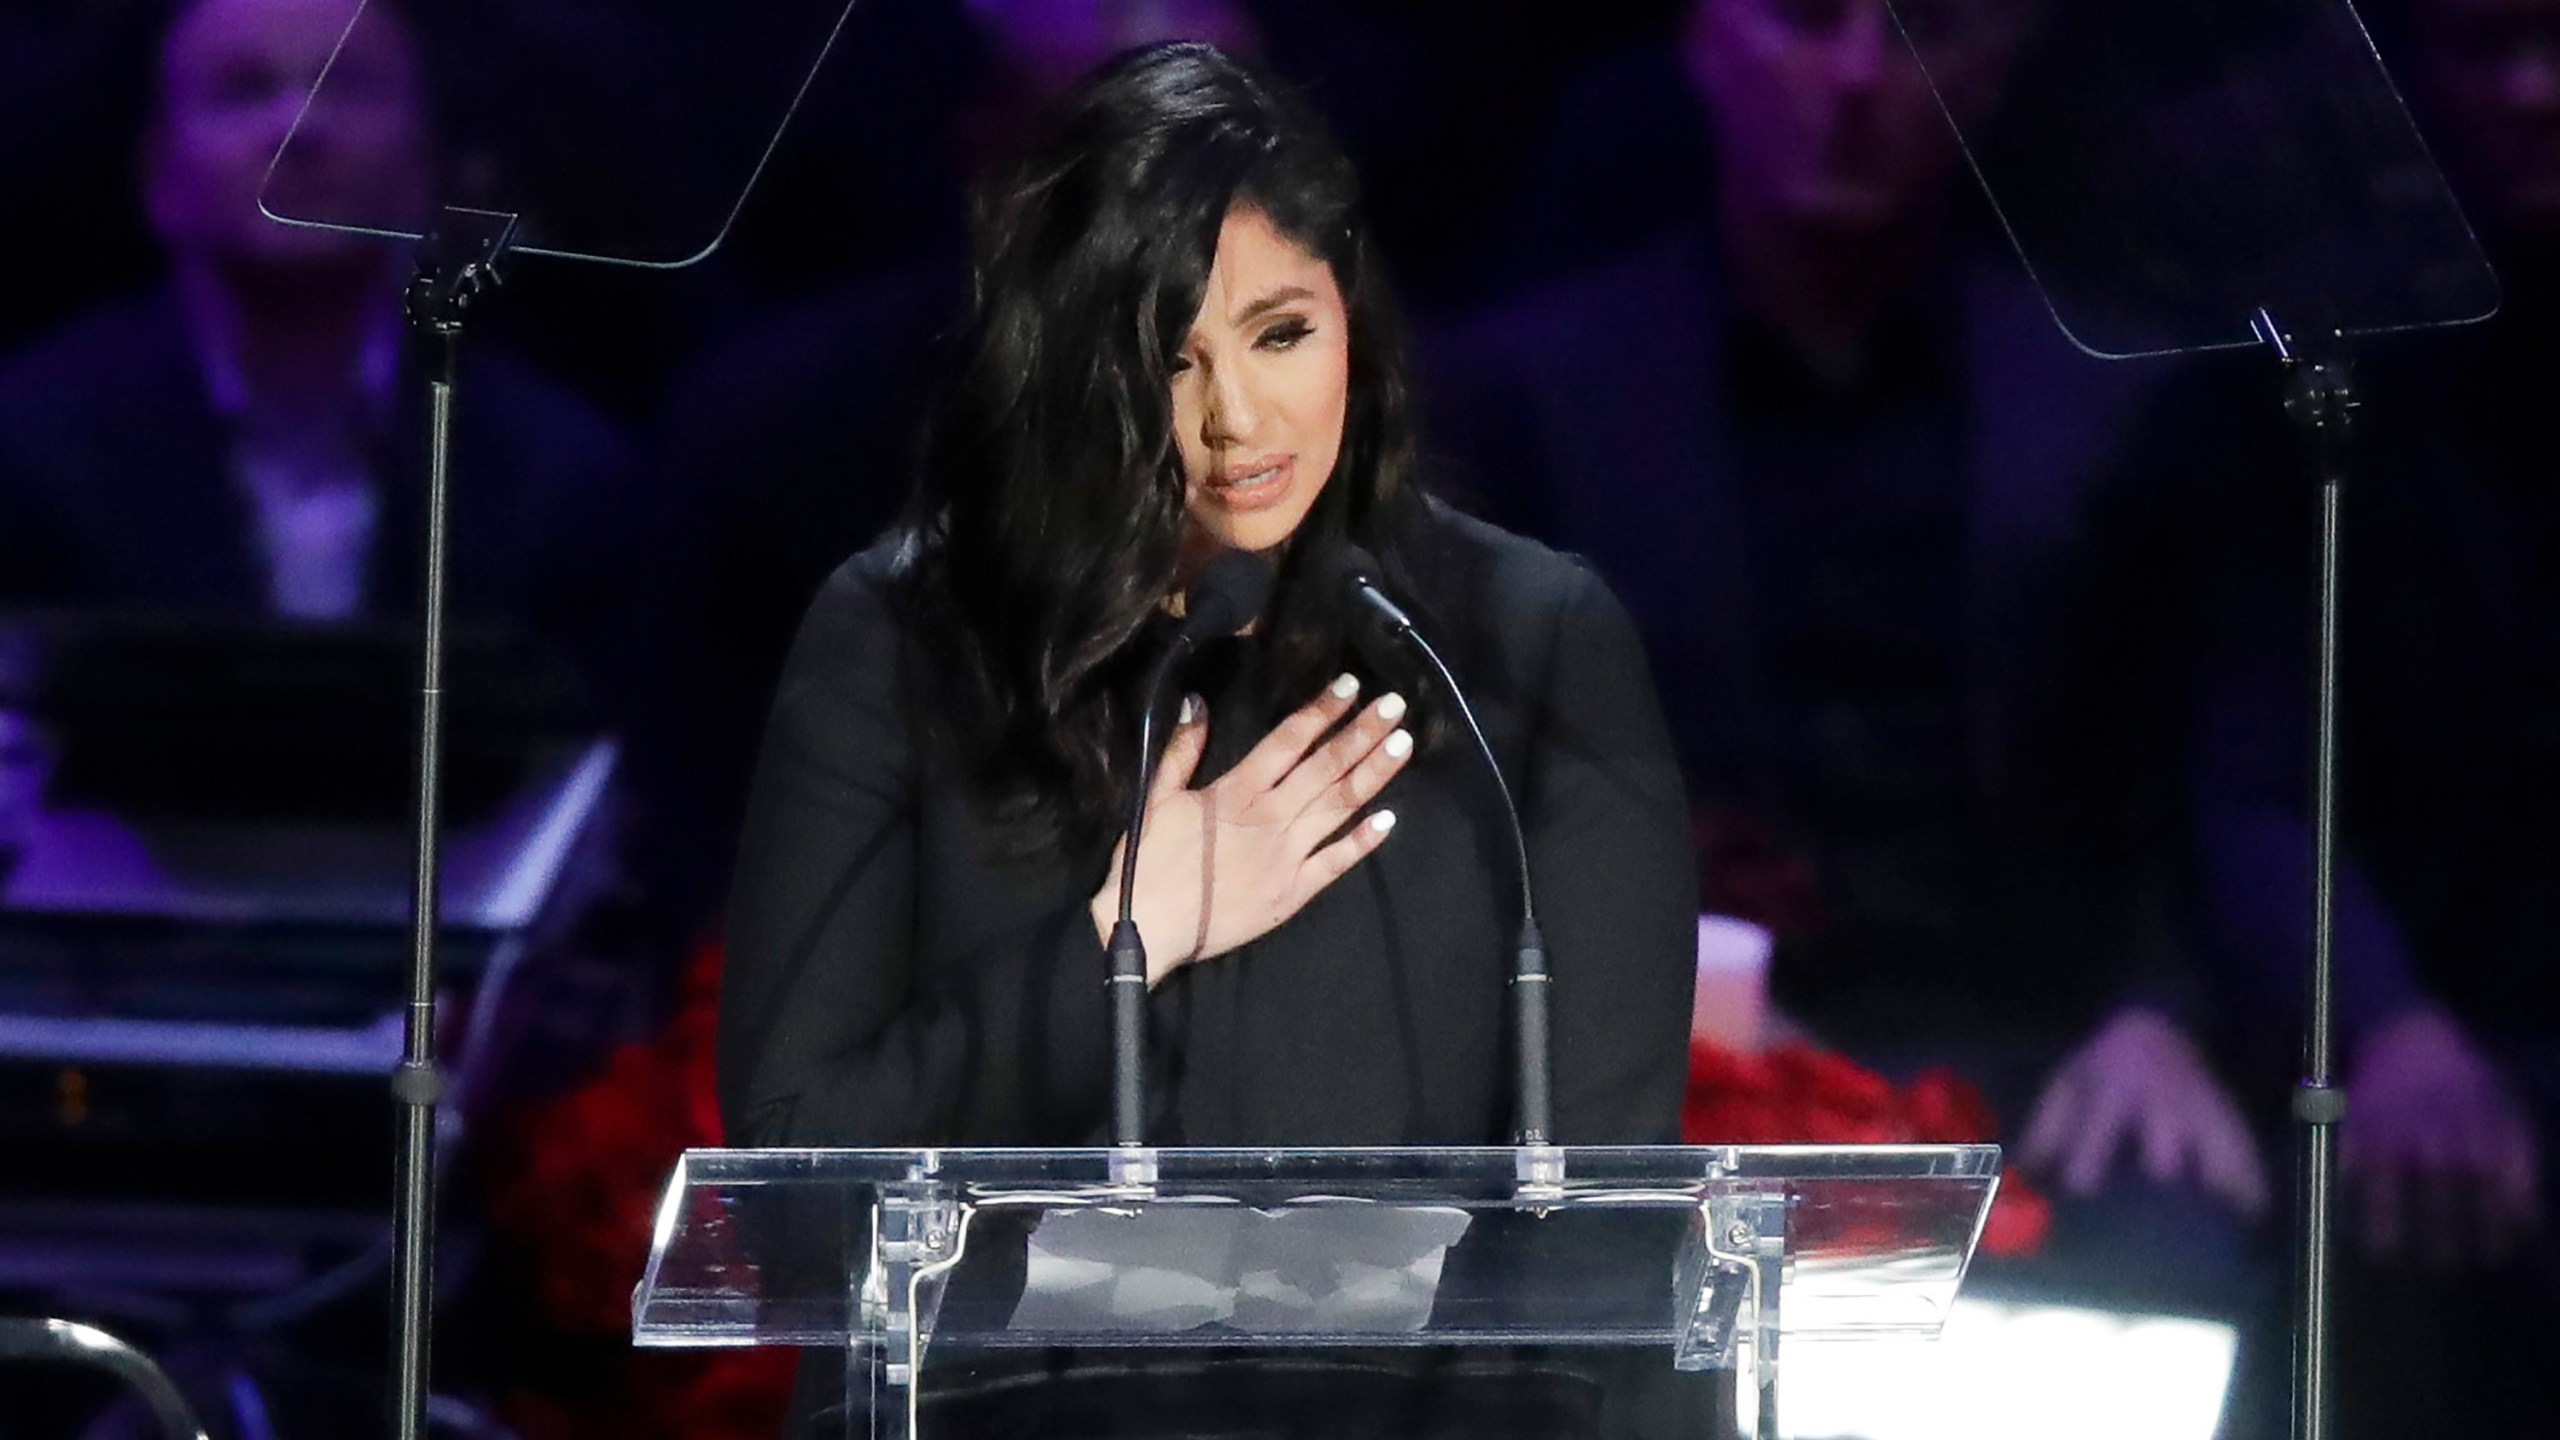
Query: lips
[[1254, 484]]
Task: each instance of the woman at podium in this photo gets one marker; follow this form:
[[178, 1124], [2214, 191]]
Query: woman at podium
[[1180, 345]]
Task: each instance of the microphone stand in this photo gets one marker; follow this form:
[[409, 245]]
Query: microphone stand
[[1227, 593], [2321, 402], [1128, 975], [1541, 1164], [1532, 1078], [457, 265]]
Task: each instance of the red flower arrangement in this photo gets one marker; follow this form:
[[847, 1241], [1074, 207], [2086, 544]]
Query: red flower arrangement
[[575, 1181], [1795, 1094]]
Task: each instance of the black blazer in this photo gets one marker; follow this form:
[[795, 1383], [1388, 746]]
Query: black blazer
[[893, 980], [1594, 416], [116, 488]]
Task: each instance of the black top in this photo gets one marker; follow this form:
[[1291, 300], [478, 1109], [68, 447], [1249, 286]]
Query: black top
[[894, 978]]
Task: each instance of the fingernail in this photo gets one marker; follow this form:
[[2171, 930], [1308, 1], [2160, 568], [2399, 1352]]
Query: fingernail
[[1345, 685], [1400, 744], [1190, 709], [1383, 821], [1391, 708]]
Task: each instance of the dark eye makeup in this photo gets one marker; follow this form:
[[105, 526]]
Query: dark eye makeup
[[1289, 331], [1281, 335]]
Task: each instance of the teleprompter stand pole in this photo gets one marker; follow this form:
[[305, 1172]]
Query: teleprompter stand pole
[[457, 264], [2320, 401]]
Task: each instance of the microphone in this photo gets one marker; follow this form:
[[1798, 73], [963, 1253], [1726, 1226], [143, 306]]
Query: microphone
[[1228, 592], [1377, 620]]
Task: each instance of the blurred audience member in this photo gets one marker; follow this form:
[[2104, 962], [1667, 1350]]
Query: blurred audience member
[[1833, 451], [241, 441], [243, 445], [2450, 746]]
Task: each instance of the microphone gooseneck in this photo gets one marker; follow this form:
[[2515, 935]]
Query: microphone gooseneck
[[1354, 571], [1227, 594]]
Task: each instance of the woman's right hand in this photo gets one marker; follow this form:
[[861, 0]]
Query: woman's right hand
[[1226, 863]]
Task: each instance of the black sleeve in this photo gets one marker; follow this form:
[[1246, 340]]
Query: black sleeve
[[831, 1032], [1613, 859]]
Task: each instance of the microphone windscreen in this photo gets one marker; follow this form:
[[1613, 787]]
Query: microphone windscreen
[[1345, 565], [1352, 574], [1228, 592]]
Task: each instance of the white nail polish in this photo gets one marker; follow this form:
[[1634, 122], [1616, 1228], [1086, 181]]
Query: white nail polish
[[1345, 685], [1391, 708], [1400, 744], [1383, 821], [1190, 709]]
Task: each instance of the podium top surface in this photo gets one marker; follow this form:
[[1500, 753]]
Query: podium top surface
[[1591, 1170], [1255, 1246]]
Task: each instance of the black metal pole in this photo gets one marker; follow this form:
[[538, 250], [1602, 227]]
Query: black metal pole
[[457, 263], [2320, 400], [1126, 981], [2318, 1103]]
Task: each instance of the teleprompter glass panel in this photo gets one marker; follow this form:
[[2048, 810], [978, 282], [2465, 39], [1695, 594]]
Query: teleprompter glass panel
[[627, 131], [2170, 168]]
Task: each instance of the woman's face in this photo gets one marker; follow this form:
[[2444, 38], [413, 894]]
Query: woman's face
[[1259, 390]]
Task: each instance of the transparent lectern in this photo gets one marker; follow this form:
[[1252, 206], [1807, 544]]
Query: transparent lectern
[[915, 1262]]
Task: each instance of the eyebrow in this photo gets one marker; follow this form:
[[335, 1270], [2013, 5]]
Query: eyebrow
[[1270, 302]]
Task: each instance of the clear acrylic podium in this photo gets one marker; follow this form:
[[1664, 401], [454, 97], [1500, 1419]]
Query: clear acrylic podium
[[1707, 1255]]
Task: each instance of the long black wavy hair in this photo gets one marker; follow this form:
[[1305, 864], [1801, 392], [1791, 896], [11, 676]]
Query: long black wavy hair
[[1049, 515]]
